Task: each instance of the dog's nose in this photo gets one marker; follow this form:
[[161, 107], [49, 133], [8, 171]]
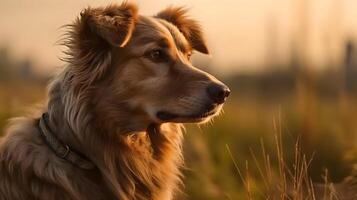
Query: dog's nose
[[218, 92]]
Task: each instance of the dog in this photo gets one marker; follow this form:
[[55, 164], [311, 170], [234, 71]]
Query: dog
[[112, 126]]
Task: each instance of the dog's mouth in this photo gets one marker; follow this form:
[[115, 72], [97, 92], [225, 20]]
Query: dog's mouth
[[168, 116]]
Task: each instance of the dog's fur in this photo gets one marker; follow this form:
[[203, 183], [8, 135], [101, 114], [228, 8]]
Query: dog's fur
[[104, 104]]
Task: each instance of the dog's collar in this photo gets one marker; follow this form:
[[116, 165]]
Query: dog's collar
[[62, 150]]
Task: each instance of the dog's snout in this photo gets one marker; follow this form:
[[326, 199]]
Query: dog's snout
[[218, 92]]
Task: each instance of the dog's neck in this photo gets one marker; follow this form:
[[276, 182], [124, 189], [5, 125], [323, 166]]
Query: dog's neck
[[84, 126], [80, 139]]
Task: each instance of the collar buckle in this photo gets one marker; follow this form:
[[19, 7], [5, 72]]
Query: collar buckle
[[68, 150]]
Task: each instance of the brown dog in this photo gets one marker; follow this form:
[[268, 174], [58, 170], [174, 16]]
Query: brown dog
[[111, 128]]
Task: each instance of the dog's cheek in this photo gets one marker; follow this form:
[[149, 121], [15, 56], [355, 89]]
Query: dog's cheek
[[131, 75], [153, 85]]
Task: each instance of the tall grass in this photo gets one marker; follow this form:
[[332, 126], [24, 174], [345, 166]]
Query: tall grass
[[284, 181]]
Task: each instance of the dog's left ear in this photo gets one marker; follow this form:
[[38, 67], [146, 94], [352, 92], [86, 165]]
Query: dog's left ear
[[189, 27]]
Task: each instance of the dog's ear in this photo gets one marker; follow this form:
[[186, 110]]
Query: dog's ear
[[189, 27], [114, 23], [91, 37]]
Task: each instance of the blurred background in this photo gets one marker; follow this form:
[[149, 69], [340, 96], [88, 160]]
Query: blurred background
[[291, 66]]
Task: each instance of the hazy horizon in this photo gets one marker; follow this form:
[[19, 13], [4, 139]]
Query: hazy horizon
[[243, 35]]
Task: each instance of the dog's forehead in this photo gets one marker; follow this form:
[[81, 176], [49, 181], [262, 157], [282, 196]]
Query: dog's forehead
[[151, 29]]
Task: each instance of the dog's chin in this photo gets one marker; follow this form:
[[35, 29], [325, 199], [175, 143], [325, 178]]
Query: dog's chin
[[200, 117]]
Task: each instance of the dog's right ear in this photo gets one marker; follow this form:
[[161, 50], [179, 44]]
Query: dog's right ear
[[188, 27], [114, 23]]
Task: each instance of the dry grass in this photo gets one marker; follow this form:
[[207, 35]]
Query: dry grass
[[284, 181]]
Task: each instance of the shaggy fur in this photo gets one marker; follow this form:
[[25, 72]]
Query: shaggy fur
[[106, 104]]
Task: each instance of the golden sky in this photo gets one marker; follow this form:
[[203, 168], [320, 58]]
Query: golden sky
[[243, 34]]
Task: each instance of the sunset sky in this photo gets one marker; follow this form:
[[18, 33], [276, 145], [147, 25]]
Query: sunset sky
[[243, 34]]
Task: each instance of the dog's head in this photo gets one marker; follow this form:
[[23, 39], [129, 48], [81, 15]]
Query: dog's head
[[142, 65]]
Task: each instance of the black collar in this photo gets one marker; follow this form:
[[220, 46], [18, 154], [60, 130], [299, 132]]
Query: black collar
[[62, 150]]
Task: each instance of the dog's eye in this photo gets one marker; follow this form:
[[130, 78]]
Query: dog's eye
[[158, 55]]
